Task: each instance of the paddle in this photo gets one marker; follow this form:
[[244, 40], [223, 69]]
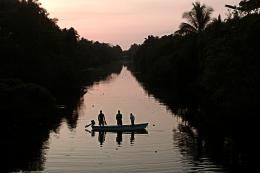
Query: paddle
[[87, 125], [88, 131]]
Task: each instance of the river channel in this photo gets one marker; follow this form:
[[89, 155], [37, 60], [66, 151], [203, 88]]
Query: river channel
[[164, 147]]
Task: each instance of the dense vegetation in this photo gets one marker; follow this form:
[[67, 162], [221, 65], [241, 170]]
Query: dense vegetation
[[43, 71], [208, 72], [210, 66], [41, 58]]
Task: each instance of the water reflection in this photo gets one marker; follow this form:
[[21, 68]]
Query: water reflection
[[24, 147], [132, 138], [25, 139], [119, 136], [201, 149], [202, 142], [101, 137], [163, 150]]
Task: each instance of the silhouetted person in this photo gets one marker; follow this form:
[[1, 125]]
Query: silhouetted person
[[119, 118], [132, 118], [101, 118], [101, 137], [119, 138]]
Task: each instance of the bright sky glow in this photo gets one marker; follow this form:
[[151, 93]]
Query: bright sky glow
[[125, 22]]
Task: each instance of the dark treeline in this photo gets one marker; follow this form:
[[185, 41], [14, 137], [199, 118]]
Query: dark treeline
[[209, 66], [41, 59], [43, 67], [216, 62]]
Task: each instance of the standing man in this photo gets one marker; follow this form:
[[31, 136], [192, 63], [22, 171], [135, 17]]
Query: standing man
[[119, 118], [101, 118], [132, 118]]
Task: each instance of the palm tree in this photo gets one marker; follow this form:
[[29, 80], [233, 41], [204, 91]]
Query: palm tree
[[198, 19]]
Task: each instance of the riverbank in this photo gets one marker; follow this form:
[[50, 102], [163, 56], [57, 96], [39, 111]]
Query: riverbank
[[29, 113]]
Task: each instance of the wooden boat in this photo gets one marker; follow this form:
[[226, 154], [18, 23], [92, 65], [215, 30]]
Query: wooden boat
[[123, 128]]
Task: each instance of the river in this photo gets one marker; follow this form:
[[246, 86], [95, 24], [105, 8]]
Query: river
[[165, 147]]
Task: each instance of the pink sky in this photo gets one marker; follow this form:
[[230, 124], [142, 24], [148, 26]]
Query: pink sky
[[125, 22]]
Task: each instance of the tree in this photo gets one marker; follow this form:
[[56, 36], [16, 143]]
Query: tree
[[249, 6], [198, 19]]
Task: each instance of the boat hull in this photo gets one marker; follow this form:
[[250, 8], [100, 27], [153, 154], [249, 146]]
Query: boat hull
[[123, 128]]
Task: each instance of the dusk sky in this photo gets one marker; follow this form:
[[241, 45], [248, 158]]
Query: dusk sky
[[125, 22]]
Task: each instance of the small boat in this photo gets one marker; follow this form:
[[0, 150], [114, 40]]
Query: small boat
[[123, 128]]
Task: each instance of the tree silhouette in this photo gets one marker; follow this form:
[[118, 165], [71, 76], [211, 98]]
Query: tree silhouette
[[246, 7], [249, 6], [198, 19]]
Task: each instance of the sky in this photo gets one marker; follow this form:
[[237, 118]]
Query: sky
[[124, 22]]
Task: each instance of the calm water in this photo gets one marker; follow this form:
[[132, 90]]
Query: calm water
[[166, 147]]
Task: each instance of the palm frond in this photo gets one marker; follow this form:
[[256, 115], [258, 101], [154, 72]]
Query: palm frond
[[185, 29], [197, 19]]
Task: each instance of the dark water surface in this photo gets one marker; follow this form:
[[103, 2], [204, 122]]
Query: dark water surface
[[168, 146]]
